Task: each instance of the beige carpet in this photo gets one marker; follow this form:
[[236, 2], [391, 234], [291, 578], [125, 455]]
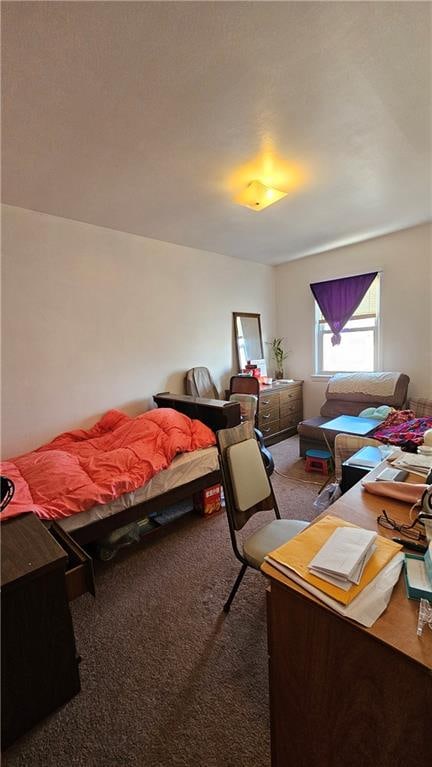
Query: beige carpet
[[290, 465]]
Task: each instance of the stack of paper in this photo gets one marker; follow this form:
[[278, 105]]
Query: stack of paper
[[369, 604], [414, 462], [363, 601], [298, 553], [343, 557]]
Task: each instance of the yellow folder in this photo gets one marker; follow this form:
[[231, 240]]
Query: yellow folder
[[300, 550]]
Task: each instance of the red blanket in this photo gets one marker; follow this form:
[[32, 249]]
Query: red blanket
[[82, 468]]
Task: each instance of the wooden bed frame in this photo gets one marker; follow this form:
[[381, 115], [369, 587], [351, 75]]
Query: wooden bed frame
[[216, 414]]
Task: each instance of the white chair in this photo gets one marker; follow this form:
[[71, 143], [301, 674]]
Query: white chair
[[248, 490]]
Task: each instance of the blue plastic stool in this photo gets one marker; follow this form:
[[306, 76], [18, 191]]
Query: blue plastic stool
[[319, 460]]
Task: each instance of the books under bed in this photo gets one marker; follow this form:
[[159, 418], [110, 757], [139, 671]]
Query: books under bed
[[92, 482]]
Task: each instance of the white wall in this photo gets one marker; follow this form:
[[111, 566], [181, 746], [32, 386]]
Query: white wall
[[95, 318], [405, 259]]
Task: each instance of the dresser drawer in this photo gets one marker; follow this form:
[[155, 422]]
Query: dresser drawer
[[268, 413], [290, 395], [288, 421], [292, 406], [268, 401], [79, 569], [269, 427]]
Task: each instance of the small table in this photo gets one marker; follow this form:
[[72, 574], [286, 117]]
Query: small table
[[352, 424]]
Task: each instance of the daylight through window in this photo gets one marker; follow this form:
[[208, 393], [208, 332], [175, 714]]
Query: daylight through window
[[358, 349]]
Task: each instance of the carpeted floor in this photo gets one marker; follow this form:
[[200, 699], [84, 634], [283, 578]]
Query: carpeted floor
[[168, 679]]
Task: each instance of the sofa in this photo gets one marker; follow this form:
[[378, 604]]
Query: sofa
[[345, 445], [349, 394]]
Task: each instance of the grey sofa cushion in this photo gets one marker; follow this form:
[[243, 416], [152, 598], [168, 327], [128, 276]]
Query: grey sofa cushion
[[396, 400]]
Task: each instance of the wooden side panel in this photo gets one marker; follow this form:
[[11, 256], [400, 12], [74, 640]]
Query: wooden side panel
[[39, 665], [217, 414], [338, 696]]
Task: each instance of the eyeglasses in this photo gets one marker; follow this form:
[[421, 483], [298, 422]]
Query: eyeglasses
[[391, 524]]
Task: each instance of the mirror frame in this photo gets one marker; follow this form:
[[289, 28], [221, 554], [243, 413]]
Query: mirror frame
[[251, 315]]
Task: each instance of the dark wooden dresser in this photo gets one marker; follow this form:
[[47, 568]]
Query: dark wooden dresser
[[41, 570], [280, 410]]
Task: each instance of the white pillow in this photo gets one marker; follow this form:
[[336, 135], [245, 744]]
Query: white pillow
[[380, 413]]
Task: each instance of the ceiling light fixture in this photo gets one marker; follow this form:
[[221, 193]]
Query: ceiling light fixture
[[258, 196]]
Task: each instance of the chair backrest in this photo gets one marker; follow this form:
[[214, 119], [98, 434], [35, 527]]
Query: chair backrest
[[247, 487], [246, 385], [248, 405], [199, 383]]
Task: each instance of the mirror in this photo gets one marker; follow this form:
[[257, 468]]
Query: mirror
[[247, 331]]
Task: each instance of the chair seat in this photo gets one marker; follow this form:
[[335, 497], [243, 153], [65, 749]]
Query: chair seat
[[269, 537]]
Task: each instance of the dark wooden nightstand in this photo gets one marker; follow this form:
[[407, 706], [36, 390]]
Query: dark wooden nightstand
[[39, 575]]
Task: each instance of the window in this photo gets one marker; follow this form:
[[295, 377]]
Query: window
[[358, 349]]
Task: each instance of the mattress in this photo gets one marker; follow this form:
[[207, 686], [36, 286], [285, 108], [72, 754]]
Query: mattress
[[184, 468]]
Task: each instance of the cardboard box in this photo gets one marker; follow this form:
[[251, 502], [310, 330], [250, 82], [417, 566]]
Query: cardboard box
[[208, 501]]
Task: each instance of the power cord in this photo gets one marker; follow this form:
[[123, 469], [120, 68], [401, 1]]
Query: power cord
[[296, 479]]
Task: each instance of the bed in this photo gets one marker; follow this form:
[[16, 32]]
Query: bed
[[188, 473]]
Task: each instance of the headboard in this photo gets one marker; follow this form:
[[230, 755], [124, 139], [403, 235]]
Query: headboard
[[215, 413]]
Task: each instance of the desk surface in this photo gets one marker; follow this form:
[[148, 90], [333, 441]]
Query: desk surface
[[398, 624]]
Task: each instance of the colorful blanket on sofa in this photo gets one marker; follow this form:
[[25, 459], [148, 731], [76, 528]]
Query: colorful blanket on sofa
[[402, 428], [82, 468]]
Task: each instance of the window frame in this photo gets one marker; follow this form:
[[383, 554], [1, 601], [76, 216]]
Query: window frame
[[319, 332]]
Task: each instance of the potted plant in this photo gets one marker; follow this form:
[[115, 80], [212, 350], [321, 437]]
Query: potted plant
[[279, 356]]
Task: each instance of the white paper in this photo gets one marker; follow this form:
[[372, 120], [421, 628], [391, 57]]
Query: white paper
[[341, 583], [345, 583], [369, 604], [343, 554], [415, 462]]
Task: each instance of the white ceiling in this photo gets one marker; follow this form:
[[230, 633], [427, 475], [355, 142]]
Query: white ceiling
[[137, 115]]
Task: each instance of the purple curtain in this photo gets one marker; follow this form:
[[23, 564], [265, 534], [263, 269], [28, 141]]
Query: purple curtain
[[338, 299]]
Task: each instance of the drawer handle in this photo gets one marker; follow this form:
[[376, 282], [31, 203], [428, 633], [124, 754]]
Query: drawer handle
[[265, 402], [265, 416]]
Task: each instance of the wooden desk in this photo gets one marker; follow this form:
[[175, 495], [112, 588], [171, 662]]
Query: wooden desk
[[342, 695]]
